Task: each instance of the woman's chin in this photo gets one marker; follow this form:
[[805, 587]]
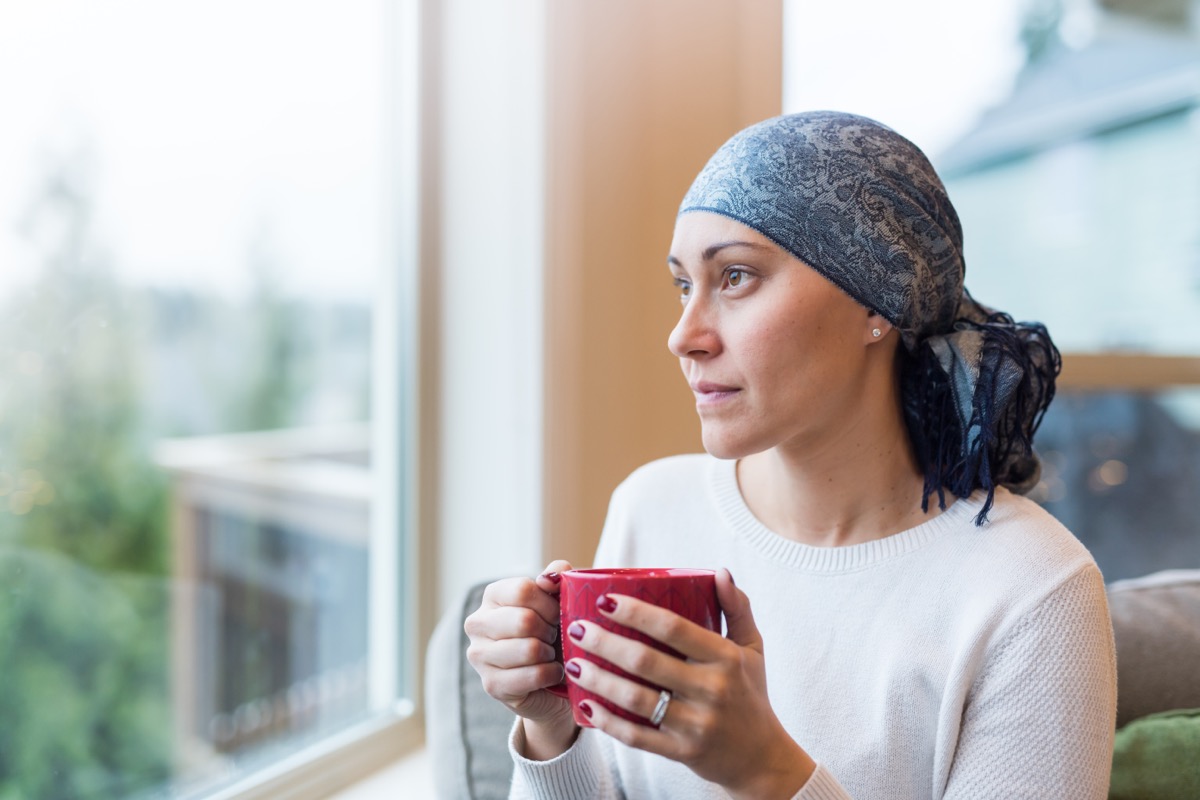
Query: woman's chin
[[723, 445]]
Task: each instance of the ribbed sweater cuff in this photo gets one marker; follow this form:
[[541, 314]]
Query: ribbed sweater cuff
[[575, 773], [822, 786]]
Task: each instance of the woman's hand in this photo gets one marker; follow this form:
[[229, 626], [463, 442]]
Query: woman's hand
[[719, 722], [512, 648]]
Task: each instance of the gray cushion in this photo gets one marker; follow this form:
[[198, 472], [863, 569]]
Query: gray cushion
[[1156, 622], [466, 730]]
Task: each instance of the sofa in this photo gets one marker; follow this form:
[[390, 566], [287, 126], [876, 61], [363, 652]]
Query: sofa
[[1156, 623]]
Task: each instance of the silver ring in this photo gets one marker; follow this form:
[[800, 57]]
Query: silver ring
[[660, 710]]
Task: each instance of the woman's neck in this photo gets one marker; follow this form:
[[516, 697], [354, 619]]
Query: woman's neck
[[862, 485]]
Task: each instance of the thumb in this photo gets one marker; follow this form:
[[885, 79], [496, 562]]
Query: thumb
[[551, 576], [739, 619]]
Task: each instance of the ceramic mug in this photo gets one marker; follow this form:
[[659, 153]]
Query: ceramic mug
[[691, 593]]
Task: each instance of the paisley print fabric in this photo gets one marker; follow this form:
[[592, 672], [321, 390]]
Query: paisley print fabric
[[863, 206], [852, 199]]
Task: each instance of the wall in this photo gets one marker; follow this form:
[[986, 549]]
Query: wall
[[641, 94]]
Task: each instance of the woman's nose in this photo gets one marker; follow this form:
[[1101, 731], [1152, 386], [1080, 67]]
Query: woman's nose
[[694, 335]]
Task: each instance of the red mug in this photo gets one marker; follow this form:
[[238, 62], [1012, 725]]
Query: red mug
[[691, 593]]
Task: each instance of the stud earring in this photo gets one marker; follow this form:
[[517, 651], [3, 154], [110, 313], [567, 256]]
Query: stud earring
[[876, 333]]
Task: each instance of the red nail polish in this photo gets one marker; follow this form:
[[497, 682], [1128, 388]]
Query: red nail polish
[[585, 708], [573, 669], [576, 631], [606, 604], [553, 577]]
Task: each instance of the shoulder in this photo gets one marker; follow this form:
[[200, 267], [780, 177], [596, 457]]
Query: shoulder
[[1025, 590], [1024, 547], [1058, 614], [1031, 533], [667, 477]]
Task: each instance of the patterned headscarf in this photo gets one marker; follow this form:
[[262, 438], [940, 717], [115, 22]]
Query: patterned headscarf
[[863, 206]]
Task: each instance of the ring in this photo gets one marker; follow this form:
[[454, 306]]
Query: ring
[[660, 710]]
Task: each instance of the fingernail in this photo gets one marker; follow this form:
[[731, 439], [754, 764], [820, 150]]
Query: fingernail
[[573, 669], [732, 582], [585, 708], [576, 631], [553, 577], [606, 604]]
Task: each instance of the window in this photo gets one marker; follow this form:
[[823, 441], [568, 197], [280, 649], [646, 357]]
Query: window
[[1097, 236], [202, 313]]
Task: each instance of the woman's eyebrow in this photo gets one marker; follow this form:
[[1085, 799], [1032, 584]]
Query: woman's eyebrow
[[711, 251]]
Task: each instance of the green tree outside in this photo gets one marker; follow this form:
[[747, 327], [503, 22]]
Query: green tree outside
[[83, 637], [85, 583]]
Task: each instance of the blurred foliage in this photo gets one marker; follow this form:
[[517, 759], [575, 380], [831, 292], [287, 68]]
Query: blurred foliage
[[82, 528], [95, 372], [85, 686]]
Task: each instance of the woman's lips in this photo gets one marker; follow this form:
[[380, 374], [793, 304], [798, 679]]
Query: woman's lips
[[713, 393]]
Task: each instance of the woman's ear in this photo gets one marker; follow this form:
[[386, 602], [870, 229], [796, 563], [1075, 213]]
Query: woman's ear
[[877, 328]]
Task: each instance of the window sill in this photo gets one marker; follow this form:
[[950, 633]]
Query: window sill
[[338, 764], [411, 776]]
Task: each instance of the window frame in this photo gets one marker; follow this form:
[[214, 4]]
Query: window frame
[[1107, 370]]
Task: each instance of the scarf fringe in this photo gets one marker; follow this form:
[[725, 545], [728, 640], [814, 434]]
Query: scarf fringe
[[994, 445]]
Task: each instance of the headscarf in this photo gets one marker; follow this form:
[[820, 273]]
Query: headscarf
[[863, 206]]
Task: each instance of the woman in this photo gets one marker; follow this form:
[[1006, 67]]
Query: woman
[[843, 377]]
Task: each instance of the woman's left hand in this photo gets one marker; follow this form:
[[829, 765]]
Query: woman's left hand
[[719, 722]]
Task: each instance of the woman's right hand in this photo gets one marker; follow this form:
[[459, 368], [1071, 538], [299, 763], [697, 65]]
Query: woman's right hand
[[513, 635]]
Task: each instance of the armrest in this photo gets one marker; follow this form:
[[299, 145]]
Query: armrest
[[1156, 624], [466, 730]]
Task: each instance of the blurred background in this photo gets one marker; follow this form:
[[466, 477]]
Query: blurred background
[[312, 315]]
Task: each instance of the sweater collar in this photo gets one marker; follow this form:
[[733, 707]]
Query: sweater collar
[[741, 520]]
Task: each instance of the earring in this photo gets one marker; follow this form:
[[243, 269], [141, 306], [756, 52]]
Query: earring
[[876, 333]]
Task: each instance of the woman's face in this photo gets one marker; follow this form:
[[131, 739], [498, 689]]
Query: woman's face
[[775, 354]]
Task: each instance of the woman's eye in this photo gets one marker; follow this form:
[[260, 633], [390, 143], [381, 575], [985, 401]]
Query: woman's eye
[[735, 277], [683, 286]]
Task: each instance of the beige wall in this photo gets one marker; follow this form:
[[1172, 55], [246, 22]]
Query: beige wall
[[640, 94]]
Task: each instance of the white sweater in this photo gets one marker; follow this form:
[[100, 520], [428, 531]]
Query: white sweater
[[946, 661]]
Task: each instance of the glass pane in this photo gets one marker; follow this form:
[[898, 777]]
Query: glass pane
[[1098, 237], [191, 238], [1121, 470]]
